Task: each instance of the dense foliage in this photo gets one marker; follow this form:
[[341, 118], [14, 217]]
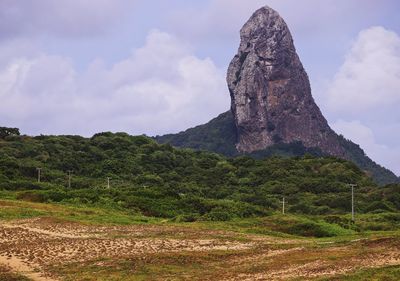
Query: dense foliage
[[5, 132], [219, 135], [160, 180]]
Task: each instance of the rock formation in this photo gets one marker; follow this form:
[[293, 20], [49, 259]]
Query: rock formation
[[270, 90], [272, 103]]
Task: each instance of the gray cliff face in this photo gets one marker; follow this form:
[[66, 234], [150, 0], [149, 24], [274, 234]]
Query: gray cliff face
[[270, 90]]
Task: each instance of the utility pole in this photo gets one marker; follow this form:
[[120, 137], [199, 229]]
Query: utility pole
[[283, 205], [38, 170], [69, 178], [108, 182], [352, 185]]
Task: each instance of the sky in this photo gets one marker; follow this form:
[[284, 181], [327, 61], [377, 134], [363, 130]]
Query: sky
[[156, 67]]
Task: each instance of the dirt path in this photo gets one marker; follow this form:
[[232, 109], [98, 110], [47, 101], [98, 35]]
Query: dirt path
[[43, 231], [19, 266]]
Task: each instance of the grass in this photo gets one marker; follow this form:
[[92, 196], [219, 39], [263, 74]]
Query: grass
[[330, 239], [158, 266], [281, 226], [277, 225], [13, 209], [5, 194]]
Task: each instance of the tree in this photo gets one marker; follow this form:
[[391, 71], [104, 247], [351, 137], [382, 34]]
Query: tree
[[5, 132]]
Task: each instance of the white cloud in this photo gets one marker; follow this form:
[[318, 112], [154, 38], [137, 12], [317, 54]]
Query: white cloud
[[364, 95], [364, 136], [160, 88], [370, 76]]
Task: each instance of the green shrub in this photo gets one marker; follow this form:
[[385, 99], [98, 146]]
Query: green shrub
[[22, 185], [43, 196], [218, 214], [186, 218], [339, 220], [31, 196], [315, 229], [379, 207]]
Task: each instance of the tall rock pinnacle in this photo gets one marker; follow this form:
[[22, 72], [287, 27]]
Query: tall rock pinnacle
[[270, 90]]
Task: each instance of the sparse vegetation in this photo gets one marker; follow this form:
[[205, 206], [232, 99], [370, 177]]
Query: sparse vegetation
[[7, 275]]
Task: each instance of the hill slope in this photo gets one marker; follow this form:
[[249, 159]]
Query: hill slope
[[219, 135], [159, 180]]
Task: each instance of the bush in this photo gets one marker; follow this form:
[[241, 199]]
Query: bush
[[218, 214], [376, 226], [24, 185], [322, 210], [316, 229], [186, 218], [302, 208], [379, 207], [31, 196], [42, 196], [339, 220]]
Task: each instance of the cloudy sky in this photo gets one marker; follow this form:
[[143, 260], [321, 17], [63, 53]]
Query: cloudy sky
[[156, 67]]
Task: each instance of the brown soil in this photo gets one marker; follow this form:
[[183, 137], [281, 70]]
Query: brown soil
[[36, 246]]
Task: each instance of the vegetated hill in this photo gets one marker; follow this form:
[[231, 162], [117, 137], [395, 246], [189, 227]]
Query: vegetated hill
[[160, 180], [219, 135], [272, 108]]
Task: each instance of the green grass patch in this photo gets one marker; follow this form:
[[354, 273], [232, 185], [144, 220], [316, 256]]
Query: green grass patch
[[305, 226], [12, 209], [157, 266], [6, 194]]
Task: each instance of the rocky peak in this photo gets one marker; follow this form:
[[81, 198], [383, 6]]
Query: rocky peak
[[270, 91]]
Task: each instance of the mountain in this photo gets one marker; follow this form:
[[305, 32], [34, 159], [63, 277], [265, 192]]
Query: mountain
[[219, 135], [270, 91], [272, 108]]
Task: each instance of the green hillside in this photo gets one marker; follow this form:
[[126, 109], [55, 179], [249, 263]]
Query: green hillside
[[219, 135], [162, 181]]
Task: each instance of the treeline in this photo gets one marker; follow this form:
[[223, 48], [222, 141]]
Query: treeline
[[160, 180], [219, 135]]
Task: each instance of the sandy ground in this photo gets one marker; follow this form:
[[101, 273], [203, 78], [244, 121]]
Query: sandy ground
[[32, 246], [312, 263], [29, 246]]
